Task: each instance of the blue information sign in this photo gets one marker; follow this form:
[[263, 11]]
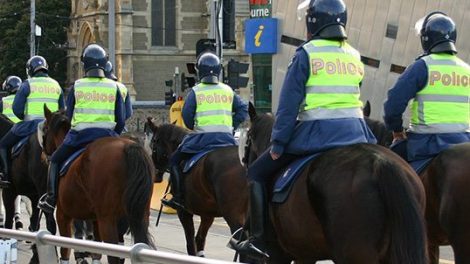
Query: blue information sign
[[261, 35]]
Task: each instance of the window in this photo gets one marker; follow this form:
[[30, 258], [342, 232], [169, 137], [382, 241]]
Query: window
[[370, 62], [163, 22], [397, 69], [392, 31]]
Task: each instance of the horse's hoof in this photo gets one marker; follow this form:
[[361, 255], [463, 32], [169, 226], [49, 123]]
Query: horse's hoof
[[200, 254], [96, 261], [18, 225], [81, 261]]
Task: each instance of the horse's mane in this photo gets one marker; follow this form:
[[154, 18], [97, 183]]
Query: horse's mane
[[58, 120], [172, 133], [384, 137]]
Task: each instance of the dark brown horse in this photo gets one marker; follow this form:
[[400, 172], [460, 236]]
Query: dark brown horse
[[110, 180], [29, 178], [447, 183], [356, 204], [215, 187]]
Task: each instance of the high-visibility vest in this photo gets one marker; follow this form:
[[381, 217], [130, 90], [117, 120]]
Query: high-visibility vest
[[43, 90], [443, 105], [123, 90], [7, 103], [214, 108], [95, 101], [332, 89]]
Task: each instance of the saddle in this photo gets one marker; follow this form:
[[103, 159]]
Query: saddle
[[66, 164], [18, 147], [283, 185], [189, 164]]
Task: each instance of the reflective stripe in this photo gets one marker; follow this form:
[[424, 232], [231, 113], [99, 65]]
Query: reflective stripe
[[312, 49], [213, 113], [94, 111], [203, 88], [439, 128], [442, 98], [333, 89], [32, 117], [322, 113], [94, 83], [42, 100], [431, 61], [213, 129], [85, 125]]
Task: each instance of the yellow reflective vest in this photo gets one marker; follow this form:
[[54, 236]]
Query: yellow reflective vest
[[95, 103], [213, 108], [7, 104], [332, 89], [443, 105], [43, 90]]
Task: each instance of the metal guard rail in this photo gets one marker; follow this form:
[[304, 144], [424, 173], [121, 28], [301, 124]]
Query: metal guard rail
[[139, 253]]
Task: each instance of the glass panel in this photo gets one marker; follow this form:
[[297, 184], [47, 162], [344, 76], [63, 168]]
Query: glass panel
[[157, 22], [262, 81], [170, 23]]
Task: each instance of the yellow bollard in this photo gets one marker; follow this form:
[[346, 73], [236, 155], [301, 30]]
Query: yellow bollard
[[158, 192]]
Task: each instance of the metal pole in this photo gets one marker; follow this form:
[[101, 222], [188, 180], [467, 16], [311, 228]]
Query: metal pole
[[112, 31], [32, 48]]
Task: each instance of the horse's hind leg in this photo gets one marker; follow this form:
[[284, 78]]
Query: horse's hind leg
[[65, 229], [108, 232], [187, 222], [206, 222], [9, 203]]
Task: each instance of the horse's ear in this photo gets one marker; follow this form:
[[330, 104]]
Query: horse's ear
[[47, 112], [151, 125], [366, 109], [251, 111]]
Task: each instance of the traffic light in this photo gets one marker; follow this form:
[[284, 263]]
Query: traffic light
[[228, 24], [203, 45], [235, 68], [170, 97], [187, 82]]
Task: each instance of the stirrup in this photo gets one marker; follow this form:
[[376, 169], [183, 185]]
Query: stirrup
[[44, 204], [246, 247], [4, 184]]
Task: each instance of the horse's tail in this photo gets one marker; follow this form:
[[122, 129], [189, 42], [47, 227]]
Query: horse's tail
[[404, 212], [138, 192]]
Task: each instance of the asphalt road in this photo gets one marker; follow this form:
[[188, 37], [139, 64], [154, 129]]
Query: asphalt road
[[169, 237]]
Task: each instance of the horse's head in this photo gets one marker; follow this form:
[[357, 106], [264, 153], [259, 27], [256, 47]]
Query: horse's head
[[259, 134], [384, 137], [55, 128], [165, 140], [5, 124]]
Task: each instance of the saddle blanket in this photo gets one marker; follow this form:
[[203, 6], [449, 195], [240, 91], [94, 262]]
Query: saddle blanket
[[420, 165], [189, 164], [284, 183], [66, 164], [15, 151]]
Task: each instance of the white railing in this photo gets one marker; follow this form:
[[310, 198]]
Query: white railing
[[139, 253]]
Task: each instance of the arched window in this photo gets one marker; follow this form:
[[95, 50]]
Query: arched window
[[163, 22]]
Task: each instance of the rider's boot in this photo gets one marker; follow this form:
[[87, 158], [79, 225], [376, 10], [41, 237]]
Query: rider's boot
[[5, 164], [255, 245], [176, 180], [48, 201]]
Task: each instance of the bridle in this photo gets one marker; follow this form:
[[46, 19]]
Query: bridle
[[156, 151]]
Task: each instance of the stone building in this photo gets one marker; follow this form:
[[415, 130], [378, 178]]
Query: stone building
[[153, 37], [382, 30]]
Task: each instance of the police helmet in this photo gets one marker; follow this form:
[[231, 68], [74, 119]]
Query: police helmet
[[11, 84], [94, 59], [208, 67], [327, 19], [109, 71], [35, 64], [438, 33]]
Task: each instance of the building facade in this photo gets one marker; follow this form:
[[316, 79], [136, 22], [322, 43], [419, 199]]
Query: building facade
[[153, 38], [382, 30]]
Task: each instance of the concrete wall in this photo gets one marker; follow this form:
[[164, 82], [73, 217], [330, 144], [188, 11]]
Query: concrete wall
[[367, 24]]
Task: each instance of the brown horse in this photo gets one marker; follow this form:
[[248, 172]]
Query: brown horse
[[356, 204], [215, 187], [110, 180], [446, 181]]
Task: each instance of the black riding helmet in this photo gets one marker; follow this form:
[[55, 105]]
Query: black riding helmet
[[109, 71], [327, 19], [94, 59], [438, 33], [11, 84], [208, 68], [36, 64]]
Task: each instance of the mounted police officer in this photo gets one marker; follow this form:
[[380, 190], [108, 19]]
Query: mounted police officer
[[92, 117], [109, 72], [11, 86], [212, 120], [439, 84], [319, 108], [37, 90]]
